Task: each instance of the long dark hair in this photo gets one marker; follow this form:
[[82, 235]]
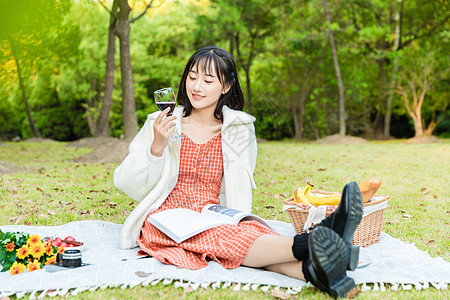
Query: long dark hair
[[226, 72]]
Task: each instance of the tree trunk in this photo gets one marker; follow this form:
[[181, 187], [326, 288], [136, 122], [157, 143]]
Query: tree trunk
[[297, 128], [315, 128], [231, 44], [91, 104], [387, 119], [249, 91], [246, 66], [130, 126], [103, 120], [24, 93], [301, 121], [378, 123], [415, 109], [298, 115], [418, 123], [433, 124], [299, 102], [418, 127], [337, 70], [429, 131]]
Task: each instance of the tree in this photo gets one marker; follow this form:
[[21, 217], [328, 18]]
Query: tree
[[32, 31], [120, 25], [246, 25], [298, 86], [374, 23], [337, 70], [81, 82], [102, 128], [387, 119], [298, 50], [417, 80]]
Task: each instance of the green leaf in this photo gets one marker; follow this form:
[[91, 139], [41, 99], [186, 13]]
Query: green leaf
[[2, 254], [334, 26], [6, 267], [11, 258]]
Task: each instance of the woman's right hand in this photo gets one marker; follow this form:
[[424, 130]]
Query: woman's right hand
[[163, 128]]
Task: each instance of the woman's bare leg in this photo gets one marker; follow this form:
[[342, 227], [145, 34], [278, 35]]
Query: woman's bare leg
[[269, 250], [274, 253], [292, 269]]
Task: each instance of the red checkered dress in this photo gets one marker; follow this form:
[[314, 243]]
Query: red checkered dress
[[198, 184]]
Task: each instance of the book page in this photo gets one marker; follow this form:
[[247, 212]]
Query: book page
[[223, 210], [180, 224], [234, 216]]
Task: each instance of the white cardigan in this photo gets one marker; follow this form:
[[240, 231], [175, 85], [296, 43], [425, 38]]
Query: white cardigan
[[150, 179]]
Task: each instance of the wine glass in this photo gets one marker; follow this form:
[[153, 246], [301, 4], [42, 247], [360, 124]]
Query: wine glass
[[166, 98]]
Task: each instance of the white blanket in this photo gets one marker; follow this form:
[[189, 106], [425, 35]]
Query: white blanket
[[389, 261]]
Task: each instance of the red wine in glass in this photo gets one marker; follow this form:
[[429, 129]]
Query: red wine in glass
[[165, 98], [163, 105]]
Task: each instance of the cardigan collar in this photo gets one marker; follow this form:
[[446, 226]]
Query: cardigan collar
[[230, 117], [235, 117]]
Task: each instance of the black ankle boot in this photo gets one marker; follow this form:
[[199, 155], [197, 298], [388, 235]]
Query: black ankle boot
[[345, 219], [326, 267]]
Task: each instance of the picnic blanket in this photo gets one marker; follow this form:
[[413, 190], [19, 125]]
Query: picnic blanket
[[391, 261]]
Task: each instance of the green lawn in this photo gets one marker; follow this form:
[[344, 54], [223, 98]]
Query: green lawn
[[416, 176]]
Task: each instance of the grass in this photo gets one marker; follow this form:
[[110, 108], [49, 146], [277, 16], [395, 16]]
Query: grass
[[417, 178]]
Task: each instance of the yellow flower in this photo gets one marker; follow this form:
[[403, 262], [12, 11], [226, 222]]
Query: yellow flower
[[33, 266], [48, 249], [34, 239], [37, 250], [16, 268], [61, 249], [51, 260], [23, 252], [9, 247]]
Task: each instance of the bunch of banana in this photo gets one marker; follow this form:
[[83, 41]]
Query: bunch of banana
[[305, 195]]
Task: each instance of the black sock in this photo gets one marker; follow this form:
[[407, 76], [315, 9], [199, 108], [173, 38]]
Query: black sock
[[305, 271], [300, 246]]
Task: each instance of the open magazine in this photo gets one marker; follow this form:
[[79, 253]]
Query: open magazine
[[180, 223]]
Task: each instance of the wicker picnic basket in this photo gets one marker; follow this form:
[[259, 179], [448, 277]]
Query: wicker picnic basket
[[368, 231]]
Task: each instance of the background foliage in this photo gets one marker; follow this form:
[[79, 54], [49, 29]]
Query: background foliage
[[281, 49]]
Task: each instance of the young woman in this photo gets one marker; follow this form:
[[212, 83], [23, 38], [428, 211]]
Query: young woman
[[214, 164]]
